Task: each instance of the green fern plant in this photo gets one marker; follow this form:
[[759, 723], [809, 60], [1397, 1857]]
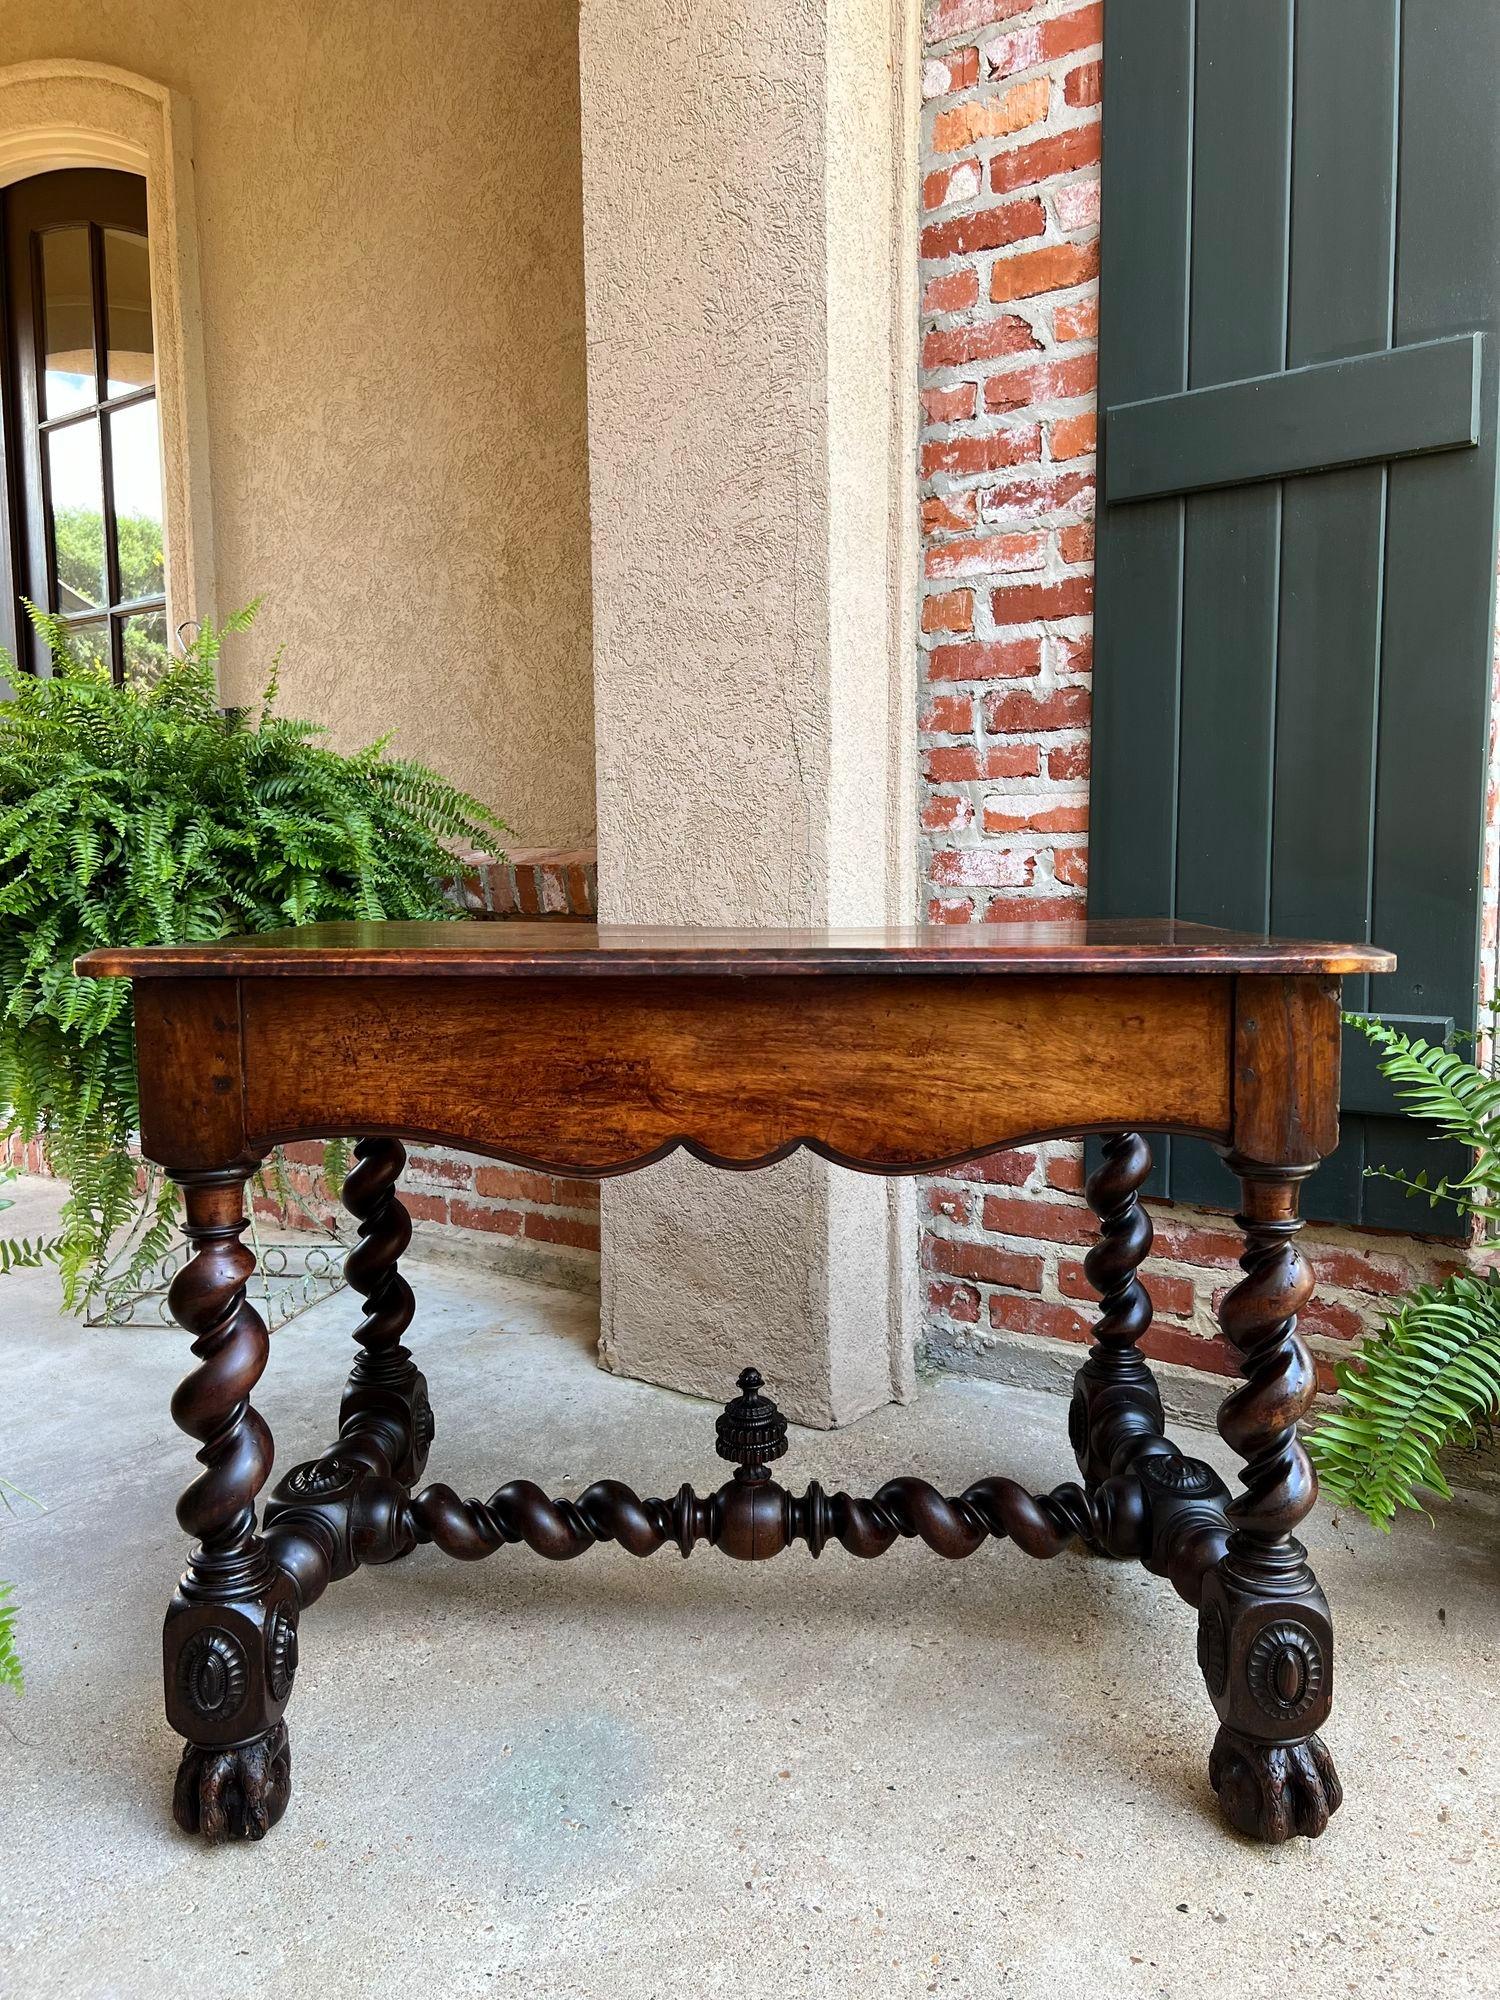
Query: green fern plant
[[1431, 1377], [10, 1660], [24, 1253], [145, 814]]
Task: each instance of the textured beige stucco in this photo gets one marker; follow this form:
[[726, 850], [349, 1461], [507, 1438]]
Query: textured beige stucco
[[745, 196], [390, 235]]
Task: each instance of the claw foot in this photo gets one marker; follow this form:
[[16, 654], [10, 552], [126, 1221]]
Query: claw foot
[[1269, 1791], [235, 1794]]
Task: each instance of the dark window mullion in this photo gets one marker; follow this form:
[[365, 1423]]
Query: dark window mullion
[[106, 452], [53, 424], [113, 403], [38, 582], [111, 553], [10, 482], [96, 289]]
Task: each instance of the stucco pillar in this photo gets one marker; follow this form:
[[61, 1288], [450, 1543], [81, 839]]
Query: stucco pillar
[[750, 290]]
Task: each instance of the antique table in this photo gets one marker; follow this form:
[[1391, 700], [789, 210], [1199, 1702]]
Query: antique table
[[583, 1050]]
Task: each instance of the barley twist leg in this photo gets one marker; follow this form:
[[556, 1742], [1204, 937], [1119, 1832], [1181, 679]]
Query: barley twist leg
[[230, 1641], [1265, 1639]]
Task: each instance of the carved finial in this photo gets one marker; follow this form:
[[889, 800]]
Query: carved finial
[[751, 1431]]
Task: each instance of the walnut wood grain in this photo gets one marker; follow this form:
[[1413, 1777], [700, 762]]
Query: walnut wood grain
[[1286, 1069], [517, 950], [191, 1069], [597, 1077]]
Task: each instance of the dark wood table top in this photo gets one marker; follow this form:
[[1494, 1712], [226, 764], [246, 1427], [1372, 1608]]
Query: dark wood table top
[[512, 950]]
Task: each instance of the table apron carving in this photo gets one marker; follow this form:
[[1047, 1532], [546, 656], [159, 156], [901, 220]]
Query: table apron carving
[[602, 1078], [600, 1053]]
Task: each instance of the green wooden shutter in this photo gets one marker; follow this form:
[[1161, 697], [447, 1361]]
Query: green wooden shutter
[[1300, 298]]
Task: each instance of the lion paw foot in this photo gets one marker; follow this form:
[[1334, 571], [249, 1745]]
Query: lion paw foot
[[1269, 1791], [235, 1794]]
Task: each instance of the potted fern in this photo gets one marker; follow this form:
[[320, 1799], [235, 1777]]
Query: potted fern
[[145, 814], [1430, 1378]]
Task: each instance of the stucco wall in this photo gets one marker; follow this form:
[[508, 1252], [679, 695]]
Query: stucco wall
[[390, 228], [749, 306]]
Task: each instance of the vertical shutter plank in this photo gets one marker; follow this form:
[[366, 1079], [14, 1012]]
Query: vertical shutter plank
[[1148, 64], [1143, 352], [1439, 615], [1241, 174], [1293, 685], [1242, 131], [1340, 300]]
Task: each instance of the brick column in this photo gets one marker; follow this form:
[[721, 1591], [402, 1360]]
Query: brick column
[[750, 299]]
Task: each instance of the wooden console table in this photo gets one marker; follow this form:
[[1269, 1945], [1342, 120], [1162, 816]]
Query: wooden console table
[[583, 1050]]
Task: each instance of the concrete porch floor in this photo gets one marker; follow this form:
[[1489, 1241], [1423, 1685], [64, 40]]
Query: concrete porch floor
[[615, 1778]]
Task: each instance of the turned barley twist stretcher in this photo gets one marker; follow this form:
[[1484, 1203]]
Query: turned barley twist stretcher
[[581, 1050]]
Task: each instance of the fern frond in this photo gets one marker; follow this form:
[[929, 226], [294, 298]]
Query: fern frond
[[1437, 1085], [28, 1253], [10, 1661], [1431, 1378]]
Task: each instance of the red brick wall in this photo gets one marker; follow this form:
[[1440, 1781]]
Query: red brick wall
[[1010, 195], [530, 1223], [534, 882]]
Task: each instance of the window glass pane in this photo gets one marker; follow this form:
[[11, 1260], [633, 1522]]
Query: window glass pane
[[145, 646], [76, 485], [127, 293], [135, 466], [91, 644], [68, 317]]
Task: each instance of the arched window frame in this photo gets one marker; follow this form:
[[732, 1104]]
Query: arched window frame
[[88, 216], [74, 114]]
